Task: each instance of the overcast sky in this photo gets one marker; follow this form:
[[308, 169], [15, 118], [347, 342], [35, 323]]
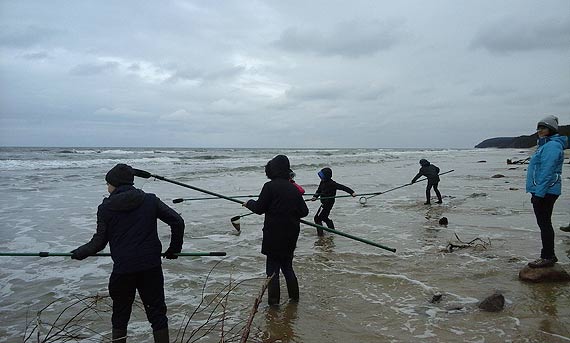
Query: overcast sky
[[425, 74]]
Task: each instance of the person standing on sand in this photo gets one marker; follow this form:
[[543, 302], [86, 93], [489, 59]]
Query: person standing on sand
[[127, 220], [544, 183], [283, 206], [431, 172], [327, 191]]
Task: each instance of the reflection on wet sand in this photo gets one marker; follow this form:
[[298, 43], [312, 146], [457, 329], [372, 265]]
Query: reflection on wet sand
[[325, 243], [279, 323]]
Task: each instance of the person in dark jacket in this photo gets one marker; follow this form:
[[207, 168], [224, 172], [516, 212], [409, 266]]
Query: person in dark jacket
[[327, 191], [431, 172], [544, 183], [283, 206], [127, 220]]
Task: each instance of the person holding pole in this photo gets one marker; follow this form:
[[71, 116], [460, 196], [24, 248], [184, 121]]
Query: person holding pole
[[327, 192], [544, 183], [127, 220], [431, 172], [283, 206]]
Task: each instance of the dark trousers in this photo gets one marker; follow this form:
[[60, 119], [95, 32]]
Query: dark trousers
[[150, 285], [428, 189], [543, 211], [323, 216], [273, 265]]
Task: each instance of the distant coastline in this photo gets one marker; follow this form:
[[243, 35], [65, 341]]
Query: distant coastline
[[517, 142]]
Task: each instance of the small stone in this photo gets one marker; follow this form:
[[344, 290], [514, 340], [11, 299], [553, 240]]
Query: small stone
[[443, 221], [513, 189], [551, 274], [493, 303], [497, 176], [436, 298], [482, 161]]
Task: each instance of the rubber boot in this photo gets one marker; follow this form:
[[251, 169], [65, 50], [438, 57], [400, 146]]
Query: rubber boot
[[119, 336], [293, 289], [161, 336], [320, 231], [273, 293]]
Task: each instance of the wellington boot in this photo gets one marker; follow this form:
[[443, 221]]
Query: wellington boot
[[293, 289], [273, 293], [119, 336], [161, 336]]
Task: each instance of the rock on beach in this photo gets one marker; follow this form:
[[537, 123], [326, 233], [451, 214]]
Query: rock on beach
[[552, 274]]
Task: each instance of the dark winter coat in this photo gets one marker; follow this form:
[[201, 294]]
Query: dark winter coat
[[430, 171], [283, 206], [327, 189], [127, 220]]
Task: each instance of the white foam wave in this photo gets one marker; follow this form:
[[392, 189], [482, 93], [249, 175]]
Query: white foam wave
[[13, 165]]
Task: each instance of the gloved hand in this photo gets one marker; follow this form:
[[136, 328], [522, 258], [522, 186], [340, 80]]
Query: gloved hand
[[169, 253], [75, 255]]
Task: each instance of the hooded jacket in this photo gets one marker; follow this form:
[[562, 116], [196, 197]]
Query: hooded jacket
[[328, 187], [430, 171], [544, 173], [283, 206], [127, 220]]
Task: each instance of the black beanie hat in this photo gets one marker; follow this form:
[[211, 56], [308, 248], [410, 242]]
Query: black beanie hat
[[120, 175]]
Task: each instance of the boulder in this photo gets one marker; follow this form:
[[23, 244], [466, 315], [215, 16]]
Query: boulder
[[493, 303], [552, 274]]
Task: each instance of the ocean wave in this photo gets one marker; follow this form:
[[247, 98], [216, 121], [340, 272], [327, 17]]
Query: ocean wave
[[12, 165], [210, 157]]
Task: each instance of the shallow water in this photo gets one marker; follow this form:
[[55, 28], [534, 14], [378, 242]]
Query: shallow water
[[350, 291]]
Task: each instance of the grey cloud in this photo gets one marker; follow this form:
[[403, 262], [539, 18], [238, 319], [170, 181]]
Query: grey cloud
[[192, 74], [374, 93], [42, 55], [348, 39], [512, 36], [94, 68], [25, 37], [492, 91], [319, 92]]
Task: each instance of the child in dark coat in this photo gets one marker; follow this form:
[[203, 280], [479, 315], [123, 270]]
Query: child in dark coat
[[431, 172], [127, 220], [283, 206], [327, 191]]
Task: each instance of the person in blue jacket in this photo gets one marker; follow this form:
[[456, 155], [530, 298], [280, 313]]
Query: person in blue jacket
[[127, 220], [544, 183]]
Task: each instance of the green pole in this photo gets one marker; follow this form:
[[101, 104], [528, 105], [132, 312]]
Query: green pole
[[146, 175], [52, 254], [340, 233]]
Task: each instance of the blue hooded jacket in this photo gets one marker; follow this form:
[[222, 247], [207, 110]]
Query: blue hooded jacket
[[544, 174]]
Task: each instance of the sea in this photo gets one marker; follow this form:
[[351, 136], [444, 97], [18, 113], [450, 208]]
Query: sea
[[428, 290]]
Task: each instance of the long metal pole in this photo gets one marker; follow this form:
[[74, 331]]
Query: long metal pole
[[146, 175], [52, 254]]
